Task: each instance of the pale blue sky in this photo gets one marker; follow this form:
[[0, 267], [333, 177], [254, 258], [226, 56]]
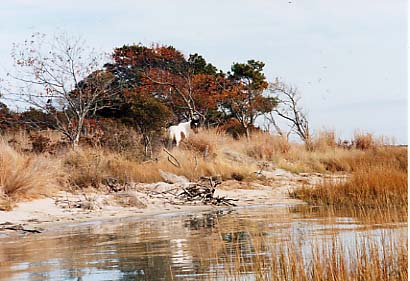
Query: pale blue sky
[[347, 58]]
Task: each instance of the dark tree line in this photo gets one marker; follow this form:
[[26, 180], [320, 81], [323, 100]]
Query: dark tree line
[[145, 87]]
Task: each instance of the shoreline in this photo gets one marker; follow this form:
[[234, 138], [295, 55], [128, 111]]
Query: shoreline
[[186, 211], [67, 209]]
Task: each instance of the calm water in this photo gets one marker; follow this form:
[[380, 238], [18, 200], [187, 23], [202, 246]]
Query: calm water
[[179, 247]]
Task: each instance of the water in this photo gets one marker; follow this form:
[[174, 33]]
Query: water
[[180, 246]]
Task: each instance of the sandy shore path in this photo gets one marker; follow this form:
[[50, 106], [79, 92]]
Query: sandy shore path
[[67, 208]]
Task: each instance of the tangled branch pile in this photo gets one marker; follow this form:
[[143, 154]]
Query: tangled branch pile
[[203, 192]]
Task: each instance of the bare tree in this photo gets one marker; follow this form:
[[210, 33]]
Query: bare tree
[[270, 120], [62, 78], [291, 110]]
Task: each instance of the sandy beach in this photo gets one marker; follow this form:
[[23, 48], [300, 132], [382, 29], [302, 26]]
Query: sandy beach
[[144, 200]]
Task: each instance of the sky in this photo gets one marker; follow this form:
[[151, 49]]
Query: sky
[[348, 59]]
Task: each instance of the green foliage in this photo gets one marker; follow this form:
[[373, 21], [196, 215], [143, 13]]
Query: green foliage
[[250, 74], [146, 113], [200, 66], [37, 118], [5, 116], [247, 99], [4, 109]]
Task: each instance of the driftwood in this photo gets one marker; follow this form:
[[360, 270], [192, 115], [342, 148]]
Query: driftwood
[[17, 227], [114, 184], [201, 192], [89, 202], [176, 190], [172, 159]]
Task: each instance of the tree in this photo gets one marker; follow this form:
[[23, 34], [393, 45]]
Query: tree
[[6, 117], [291, 110], [247, 98], [188, 86], [62, 78], [148, 116], [269, 121], [38, 119]]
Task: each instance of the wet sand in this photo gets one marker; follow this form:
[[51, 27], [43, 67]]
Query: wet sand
[[67, 208]]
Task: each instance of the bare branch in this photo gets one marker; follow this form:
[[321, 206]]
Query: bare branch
[[174, 160], [290, 109], [61, 78]]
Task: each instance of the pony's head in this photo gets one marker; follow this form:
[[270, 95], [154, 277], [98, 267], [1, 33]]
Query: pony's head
[[195, 122]]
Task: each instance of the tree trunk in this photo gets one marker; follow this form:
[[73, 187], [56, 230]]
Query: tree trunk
[[247, 133], [76, 141], [147, 147], [79, 128]]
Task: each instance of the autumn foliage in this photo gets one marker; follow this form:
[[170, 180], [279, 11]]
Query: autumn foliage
[[191, 86], [186, 86]]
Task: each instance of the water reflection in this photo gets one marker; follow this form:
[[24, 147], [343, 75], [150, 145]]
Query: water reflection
[[185, 247]]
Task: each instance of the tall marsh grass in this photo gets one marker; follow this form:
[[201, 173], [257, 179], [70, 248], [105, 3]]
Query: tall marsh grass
[[25, 177], [378, 180], [368, 260]]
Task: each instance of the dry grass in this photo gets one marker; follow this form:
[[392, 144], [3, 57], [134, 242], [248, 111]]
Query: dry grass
[[206, 142], [368, 259], [324, 140], [325, 157], [363, 141], [25, 177], [379, 180], [323, 160], [264, 146], [260, 146], [88, 167], [376, 169]]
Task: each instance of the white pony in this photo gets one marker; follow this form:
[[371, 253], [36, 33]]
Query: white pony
[[181, 131]]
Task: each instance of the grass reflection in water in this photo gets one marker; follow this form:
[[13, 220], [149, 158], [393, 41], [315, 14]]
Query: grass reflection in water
[[264, 243]]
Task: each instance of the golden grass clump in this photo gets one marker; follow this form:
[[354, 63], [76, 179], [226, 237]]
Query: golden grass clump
[[88, 167], [364, 141], [205, 142], [299, 160], [25, 177], [379, 187], [378, 180], [324, 140], [264, 146]]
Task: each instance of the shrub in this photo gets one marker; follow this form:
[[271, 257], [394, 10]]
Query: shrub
[[363, 141], [120, 138], [234, 128], [39, 143]]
